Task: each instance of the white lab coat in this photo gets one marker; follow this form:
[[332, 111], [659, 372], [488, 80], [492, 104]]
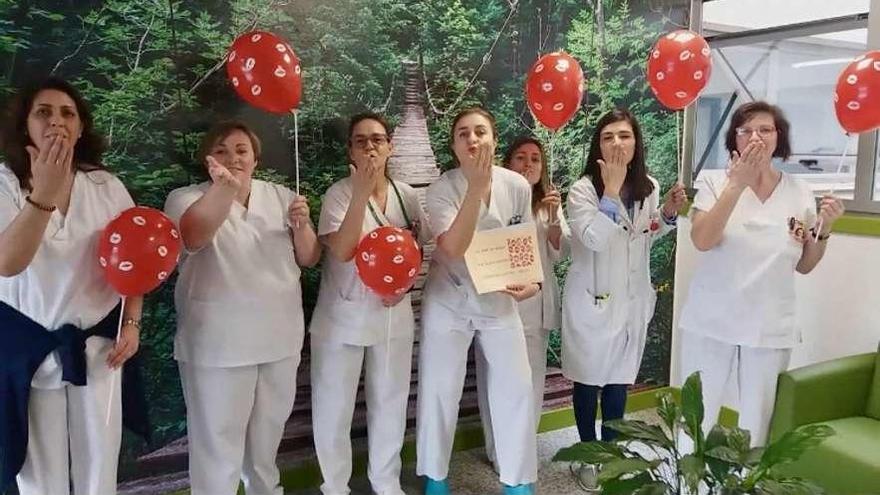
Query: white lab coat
[[351, 331], [539, 314], [68, 431], [454, 314], [239, 337], [608, 299]]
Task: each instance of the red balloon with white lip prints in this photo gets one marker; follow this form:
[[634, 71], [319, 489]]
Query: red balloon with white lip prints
[[388, 260], [138, 250]]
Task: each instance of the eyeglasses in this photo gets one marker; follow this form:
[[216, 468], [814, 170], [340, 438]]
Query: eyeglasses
[[762, 131], [376, 139]]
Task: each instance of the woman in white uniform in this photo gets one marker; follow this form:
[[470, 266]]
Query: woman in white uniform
[[615, 216], [240, 322], [756, 228], [540, 313], [474, 196], [55, 200], [355, 329]]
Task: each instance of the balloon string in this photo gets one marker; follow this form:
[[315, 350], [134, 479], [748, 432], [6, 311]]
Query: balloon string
[[846, 145], [552, 157], [679, 161], [296, 148], [115, 373]]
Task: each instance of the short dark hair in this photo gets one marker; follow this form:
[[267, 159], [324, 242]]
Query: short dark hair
[[539, 190], [464, 113], [358, 118], [637, 181], [14, 139], [221, 131], [746, 111]]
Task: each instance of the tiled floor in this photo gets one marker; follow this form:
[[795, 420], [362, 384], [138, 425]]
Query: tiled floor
[[471, 474]]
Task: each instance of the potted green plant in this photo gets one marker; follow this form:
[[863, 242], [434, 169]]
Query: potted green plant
[[646, 459]]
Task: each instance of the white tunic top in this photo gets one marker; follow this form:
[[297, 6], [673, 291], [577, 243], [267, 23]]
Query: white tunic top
[[64, 283], [742, 291], [541, 313], [609, 299], [347, 311], [449, 284], [238, 298]]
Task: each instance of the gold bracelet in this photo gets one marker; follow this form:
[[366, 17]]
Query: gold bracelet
[[131, 321], [39, 206]]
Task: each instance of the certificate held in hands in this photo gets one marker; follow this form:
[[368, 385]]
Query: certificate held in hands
[[506, 256]]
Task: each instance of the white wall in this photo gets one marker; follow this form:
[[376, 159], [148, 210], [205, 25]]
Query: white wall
[[838, 304]]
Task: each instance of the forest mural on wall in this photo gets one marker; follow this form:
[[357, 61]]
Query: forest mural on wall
[[153, 72]]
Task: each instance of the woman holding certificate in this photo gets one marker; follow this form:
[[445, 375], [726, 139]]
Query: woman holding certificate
[[475, 196], [615, 216], [540, 313]]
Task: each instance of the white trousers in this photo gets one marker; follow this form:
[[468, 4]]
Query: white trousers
[[750, 373], [442, 366], [235, 420], [336, 370], [536, 345], [68, 436]]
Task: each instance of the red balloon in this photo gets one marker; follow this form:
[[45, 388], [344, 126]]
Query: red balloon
[[265, 72], [138, 250], [857, 96], [388, 260], [554, 89], [679, 67]]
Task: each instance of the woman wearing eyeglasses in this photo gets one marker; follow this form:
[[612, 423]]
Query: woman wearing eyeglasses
[[352, 327], [756, 227]]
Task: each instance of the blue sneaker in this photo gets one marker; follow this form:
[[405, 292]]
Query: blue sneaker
[[524, 489], [436, 487]]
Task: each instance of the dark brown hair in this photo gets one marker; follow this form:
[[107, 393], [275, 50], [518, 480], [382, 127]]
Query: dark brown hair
[[464, 113], [746, 111], [14, 138], [539, 190], [357, 119], [637, 183], [221, 131]]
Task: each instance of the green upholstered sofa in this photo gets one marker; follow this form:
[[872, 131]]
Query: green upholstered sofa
[[844, 394]]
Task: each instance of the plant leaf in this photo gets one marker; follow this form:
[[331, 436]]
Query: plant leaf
[[793, 444], [639, 430], [620, 467], [740, 440], [625, 486], [692, 467], [717, 437], [794, 486], [754, 456], [669, 411], [655, 488], [692, 410], [724, 453], [590, 453]]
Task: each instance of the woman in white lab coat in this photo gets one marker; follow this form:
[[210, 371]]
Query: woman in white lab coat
[[56, 197], [756, 227], [615, 215], [240, 324], [541, 312], [353, 328], [474, 196]]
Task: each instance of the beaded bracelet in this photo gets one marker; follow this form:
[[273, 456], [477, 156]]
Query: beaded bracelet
[[39, 206]]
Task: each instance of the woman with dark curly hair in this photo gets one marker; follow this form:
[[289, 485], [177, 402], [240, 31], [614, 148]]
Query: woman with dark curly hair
[[55, 200]]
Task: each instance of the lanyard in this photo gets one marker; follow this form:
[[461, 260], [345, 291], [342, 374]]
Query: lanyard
[[399, 202]]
